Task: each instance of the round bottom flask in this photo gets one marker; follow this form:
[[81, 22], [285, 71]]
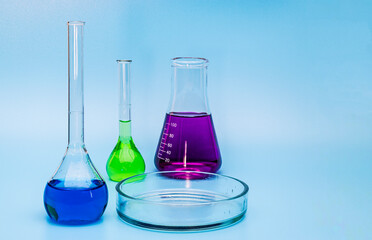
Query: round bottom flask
[[80, 203], [125, 160], [76, 194]]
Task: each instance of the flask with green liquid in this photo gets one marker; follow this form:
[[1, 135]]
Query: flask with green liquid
[[125, 160]]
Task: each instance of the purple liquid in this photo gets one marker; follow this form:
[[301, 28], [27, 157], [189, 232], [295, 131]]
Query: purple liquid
[[188, 143]]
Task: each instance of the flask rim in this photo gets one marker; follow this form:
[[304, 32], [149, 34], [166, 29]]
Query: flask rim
[[189, 62], [123, 61], [75, 23]]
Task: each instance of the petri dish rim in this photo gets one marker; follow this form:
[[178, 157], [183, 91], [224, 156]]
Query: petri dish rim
[[241, 194]]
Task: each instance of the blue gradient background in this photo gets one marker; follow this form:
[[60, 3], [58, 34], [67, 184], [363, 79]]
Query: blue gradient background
[[289, 87]]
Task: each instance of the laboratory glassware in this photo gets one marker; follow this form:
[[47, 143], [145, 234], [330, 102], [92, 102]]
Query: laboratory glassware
[[76, 194], [125, 160], [188, 140], [181, 203]]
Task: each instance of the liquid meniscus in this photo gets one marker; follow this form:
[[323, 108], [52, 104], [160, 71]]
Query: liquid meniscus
[[75, 205]]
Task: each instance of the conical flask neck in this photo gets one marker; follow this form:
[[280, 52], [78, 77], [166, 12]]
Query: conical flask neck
[[189, 86]]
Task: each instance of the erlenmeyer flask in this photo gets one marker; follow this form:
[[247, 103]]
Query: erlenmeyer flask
[[188, 140], [76, 194], [125, 159]]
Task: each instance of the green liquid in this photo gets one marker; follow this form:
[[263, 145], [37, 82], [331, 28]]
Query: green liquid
[[125, 160]]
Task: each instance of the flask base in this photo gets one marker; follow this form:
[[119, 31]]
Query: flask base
[[191, 166], [75, 205]]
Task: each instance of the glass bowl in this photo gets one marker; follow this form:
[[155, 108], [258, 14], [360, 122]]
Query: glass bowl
[[181, 200]]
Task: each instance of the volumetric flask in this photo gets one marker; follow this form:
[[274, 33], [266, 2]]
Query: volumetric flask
[[125, 160], [76, 194], [188, 141]]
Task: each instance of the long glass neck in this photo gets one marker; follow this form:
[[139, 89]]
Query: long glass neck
[[124, 99], [75, 85], [189, 84]]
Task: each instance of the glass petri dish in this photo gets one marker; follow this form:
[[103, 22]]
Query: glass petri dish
[[181, 200]]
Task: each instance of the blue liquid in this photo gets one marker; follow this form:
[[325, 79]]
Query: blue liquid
[[75, 205]]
